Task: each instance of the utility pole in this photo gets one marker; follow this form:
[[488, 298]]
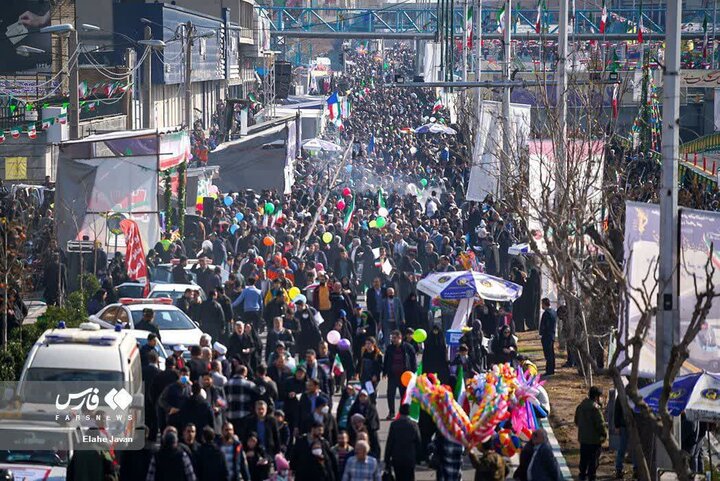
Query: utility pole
[[188, 74], [561, 97], [668, 316], [74, 83], [507, 40], [130, 60], [667, 332], [465, 42], [148, 103]]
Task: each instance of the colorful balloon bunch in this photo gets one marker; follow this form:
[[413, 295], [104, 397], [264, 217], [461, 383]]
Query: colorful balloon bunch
[[500, 394]]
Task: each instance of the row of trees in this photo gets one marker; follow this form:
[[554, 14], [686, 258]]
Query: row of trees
[[569, 203]]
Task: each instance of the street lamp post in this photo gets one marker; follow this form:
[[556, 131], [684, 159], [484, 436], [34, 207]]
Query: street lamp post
[[73, 74]]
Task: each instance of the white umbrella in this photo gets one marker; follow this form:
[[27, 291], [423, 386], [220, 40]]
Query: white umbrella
[[468, 284], [316, 145], [435, 129]]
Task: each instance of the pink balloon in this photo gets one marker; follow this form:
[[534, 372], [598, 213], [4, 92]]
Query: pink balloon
[[333, 337], [340, 205], [346, 191]]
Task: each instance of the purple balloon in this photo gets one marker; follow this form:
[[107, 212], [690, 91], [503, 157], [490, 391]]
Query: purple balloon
[[344, 345]]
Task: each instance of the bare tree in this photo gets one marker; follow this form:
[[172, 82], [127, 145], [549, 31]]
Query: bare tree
[[568, 200]]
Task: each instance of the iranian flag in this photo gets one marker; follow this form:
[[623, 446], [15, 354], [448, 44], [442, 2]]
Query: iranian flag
[[348, 215], [640, 26], [460, 393], [469, 26], [603, 17], [337, 367], [501, 19], [32, 131], [2, 137], [539, 18], [62, 118], [15, 132], [437, 106]]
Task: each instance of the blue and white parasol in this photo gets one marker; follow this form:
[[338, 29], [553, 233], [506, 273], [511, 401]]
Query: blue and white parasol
[[435, 129], [697, 394], [468, 284]]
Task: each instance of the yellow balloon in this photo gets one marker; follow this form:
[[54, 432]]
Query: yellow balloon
[[293, 292]]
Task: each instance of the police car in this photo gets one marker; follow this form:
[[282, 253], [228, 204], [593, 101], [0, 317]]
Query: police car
[[175, 326]]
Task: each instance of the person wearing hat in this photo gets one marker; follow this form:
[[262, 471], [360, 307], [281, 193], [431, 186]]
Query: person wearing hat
[[321, 414], [365, 406], [177, 353], [219, 355], [592, 433], [147, 324]]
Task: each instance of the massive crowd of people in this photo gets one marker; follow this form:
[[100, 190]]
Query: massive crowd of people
[[300, 402]]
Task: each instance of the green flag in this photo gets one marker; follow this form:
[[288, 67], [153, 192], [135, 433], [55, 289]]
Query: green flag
[[415, 405], [460, 382]]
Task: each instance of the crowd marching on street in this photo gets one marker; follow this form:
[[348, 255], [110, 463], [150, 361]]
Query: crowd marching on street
[[272, 392]]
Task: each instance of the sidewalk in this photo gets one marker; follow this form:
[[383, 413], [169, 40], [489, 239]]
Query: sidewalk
[[35, 310]]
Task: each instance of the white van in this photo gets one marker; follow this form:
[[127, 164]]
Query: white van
[[84, 355]]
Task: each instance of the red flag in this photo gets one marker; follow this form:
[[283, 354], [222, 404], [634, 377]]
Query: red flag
[[134, 254]]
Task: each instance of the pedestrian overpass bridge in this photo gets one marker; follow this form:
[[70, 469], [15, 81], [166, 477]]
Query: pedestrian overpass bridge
[[422, 20]]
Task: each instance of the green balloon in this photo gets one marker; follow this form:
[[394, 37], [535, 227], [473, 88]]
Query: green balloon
[[269, 208], [380, 222], [423, 182]]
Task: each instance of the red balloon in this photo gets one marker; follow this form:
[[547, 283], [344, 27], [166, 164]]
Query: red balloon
[[199, 206], [346, 191], [340, 205]]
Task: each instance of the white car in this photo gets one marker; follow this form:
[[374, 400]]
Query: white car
[[174, 291], [37, 464], [175, 326]]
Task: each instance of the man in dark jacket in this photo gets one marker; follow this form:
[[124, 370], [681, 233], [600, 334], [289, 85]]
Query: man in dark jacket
[[211, 464], [374, 296], [147, 324], [276, 334], [548, 325], [149, 372], [165, 378], [537, 461], [179, 275], [212, 316], [403, 446], [592, 433], [197, 410], [227, 308], [170, 463], [315, 371], [265, 426], [306, 464], [399, 357]]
